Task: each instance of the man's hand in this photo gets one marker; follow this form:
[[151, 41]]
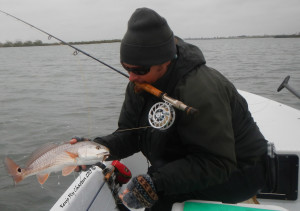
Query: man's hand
[[140, 192], [74, 141]]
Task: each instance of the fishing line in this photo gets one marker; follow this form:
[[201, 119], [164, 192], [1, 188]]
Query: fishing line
[[135, 128], [87, 100]]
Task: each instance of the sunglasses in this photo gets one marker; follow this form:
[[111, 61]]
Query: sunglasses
[[138, 70]]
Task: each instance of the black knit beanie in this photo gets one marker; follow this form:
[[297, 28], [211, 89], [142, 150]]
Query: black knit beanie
[[148, 40]]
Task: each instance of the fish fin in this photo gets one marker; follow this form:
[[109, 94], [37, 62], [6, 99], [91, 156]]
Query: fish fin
[[14, 170], [68, 170], [72, 155], [42, 178]]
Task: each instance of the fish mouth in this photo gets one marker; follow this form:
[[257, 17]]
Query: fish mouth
[[103, 154]]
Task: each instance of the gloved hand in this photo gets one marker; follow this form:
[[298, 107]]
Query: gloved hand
[[140, 192], [78, 139], [74, 140]]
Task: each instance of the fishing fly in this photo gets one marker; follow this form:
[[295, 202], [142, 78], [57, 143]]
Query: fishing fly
[[161, 115]]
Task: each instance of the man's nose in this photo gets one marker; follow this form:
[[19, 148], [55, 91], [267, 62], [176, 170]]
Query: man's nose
[[132, 77]]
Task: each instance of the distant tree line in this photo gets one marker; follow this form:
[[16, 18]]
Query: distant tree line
[[296, 35], [21, 44], [288, 36], [94, 42], [40, 43]]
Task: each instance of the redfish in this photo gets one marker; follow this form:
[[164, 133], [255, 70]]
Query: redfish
[[57, 157]]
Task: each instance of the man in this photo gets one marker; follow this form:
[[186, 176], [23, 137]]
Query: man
[[217, 155]]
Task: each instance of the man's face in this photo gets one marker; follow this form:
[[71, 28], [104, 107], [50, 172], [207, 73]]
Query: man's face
[[155, 73]]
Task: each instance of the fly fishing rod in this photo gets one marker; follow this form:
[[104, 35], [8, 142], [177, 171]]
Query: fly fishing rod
[[161, 115]]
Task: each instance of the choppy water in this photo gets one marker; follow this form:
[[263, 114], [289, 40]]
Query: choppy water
[[47, 94]]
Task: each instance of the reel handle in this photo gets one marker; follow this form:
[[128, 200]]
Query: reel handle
[[176, 103]]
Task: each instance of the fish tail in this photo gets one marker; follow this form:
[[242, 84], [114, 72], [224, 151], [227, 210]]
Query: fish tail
[[14, 170]]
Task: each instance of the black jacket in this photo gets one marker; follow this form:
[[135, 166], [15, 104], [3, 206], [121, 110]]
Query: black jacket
[[194, 153]]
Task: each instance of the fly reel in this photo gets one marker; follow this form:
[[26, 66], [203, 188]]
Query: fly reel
[[161, 115]]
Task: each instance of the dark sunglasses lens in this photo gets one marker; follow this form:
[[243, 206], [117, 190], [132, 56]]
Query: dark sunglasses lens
[[140, 71], [137, 70]]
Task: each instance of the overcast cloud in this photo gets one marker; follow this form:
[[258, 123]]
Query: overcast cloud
[[85, 20]]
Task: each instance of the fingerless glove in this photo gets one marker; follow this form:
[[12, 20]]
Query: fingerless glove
[[142, 192]]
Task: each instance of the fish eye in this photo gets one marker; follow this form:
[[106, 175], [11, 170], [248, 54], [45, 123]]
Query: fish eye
[[97, 147]]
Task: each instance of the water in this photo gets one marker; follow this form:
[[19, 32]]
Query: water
[[47, 94]]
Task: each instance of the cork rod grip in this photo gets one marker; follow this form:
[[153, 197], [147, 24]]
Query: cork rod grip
[[150, 89]]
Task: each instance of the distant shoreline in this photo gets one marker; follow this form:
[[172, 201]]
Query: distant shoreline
[[40, 43], [247, 37]]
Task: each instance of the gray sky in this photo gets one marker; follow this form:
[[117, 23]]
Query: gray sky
[[85, 20]]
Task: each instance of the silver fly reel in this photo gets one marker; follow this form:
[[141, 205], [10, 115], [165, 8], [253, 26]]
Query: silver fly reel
[[161, 115]]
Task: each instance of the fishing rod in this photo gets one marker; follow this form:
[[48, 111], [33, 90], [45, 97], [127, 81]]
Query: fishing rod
[[159, 111]]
